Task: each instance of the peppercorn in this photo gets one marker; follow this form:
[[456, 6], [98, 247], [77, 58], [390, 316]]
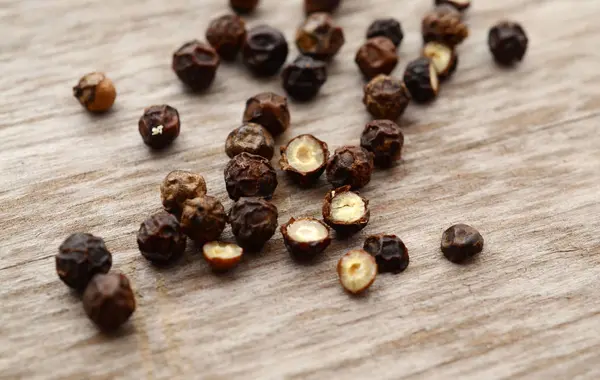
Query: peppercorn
[[386, 97], [159, 126], [251, 138], [249, 175], [305, 238], [420, 78], [345, 211], [95, 92], [377, 56], [109, 301], [386, 27], [179, 186], [80, 257], [444, 24], [269, 110], [160, 238], [227, 34], [265, 50], [203, 219], [303, 78], [443, 57], [460, 5], [253, 222], [384, 139], [389, 251], [243, 6], [319, 36], [357, 271], [312, 6], [222, 256], [196, 64], [507, 42], [304, 159], [350, 165], [461, 242]]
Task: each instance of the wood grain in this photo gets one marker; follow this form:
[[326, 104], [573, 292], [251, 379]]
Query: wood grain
[[514, 153]]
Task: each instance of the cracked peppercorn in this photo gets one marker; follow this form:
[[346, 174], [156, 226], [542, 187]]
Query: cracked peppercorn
[[196, 64], [303, 78], [389, 251], [159, 126], [109, 300], [386, 97], [312, 6], [461, 242], [460, 5], [420, 78], [222, 256], [251, 138], [269, 110], [384, 139], [305, 238], [226, 34], [357, 271], [444, 58], [320, 37], [444, 24], [179, 186], [243, 6], [203, 219], [350, 165], [346, 211], [80, 257], [160, 238], [376, 56], [95, 92], [386, 27], [253, 222], [507, 42], [249, 175], [304, 159], [265, 50]]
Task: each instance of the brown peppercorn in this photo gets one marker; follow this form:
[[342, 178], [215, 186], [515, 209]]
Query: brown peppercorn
[[160, 238], [159, 126], [386, 97], [80, 257], [461, 242], [319, 36], [249, 175], [251, 138], [95, 92], [227, 35], [312, 6], [196, 64], [389, 251], [264, 51], [386, 27], [269, 110], [384, 139], [253, 222], [357, 271], [377, 56], [507, 42], [444, 58], [350, 165], [179, 186], [460, 5], [345, 211], [109, 301], [444, 24], [243, 6], [203, 219], [303, 78], [305, 238], [420, 78], [222, 256], [304, 159]]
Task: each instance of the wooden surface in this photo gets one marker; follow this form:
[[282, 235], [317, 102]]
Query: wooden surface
[[515, 153]]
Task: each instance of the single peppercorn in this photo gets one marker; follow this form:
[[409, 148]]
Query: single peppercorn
[[80, 257], [196, 64], [507, 42], [265, 50], [227, 34], [95, 92], [243, 6], [319, 36], [386, 27], [312, 6], [386, 97], [346, 211], [305, 238], [109, 301], [350, 165], [160, 238], [222, 256], [384, 139], [420, 78], [303, 78], [159, 126], [269, 110], [389, 251], [179, 186], [444, 58], [357, 271], [304, 159], [460, 5], [249, 175], [461, 242], [251, 138], [377, 56], [444, 24], [253, 222], [203, 219]]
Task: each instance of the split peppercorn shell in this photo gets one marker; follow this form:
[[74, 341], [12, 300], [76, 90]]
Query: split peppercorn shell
[[389, 251], [179, 186], [312, 6], [269, 110], [196, 64], [386, 27], [249, 175], [203, 219], [444, 58], [420, 78], [304, 159], [461, 242], [304, 77], [384, 139], [244, 6], [460, 5], [265, 50], [253, 222], [109, 301], [227, 34], [350, 165], [377, 56], [507, 42], [80, 257], [160, 238], [319, 36], [159, 126], [250, 138], [346, 211], [386, 97], [357, 271], [222, 256], [96, 92], [305, 238], [444, 24]]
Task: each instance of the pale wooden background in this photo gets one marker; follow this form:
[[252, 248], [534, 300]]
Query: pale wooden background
[[515, 153]]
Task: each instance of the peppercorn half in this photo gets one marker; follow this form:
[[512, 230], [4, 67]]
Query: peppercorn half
[[95, 92], [444, 24], [389, 251], [109, 301], [160, 238], [243, 6], [253, 222], [377, 56], [345, 211], [320, 37], [303, 78], [507, 42], [461, 242], [80, 257], [305, 238], [304, 159], [350, 165], [384, 139], [420, 78], [196, 64], [460, 5], [227, 34], [203, 219], [251, 138], [249, 175], [443, 57], [357, 271], [312, 6], [179, 186], [265, 50], [386, 27], [269, 110], [159, 126], [386, 97]]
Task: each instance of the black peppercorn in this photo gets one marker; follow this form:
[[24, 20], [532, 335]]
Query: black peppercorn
[[443, 58], [386, 97], [420, 78], [346, 211], [376, 56], [389, 251], [265, 50], [303, 78], [253, 222], [249, 175], [269, 110], [251, 138], [160, 238], [319, 36], [460, 5], [243, 6], [384, 139], [386, 27], [159, 126], [312, 6], [179, 186], [203, 219], [461, 242], [350, 165], [109, 301], [507, 42], [444, 24], [80, 257], [227, 34], [304, 159], [305, 238], [196, 64], [96, 92]]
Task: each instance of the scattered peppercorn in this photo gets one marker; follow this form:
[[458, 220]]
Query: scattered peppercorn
[[159, 126], [179, 186], [305, 238], [386, 97], [269, 110], [249, 175], [350, 165], [304, 159], [389, 251], [444, 58], [377, 56], [253, 222], [196, 64], [345, 211], [444, 24], [507, 42], [384, 139], [95, 92], [251, 138], [461, 242], [312, 6], [386, 27], [160, 238], [222, 256], [303, 78], [109, 301], [265, 50], [420, 78], [243, 6], [460, 5], [319, 36], [203, 219], [227, 34], [80, 257], [357, 270]]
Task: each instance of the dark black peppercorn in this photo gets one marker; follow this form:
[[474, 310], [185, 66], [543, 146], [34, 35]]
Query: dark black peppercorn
[[80, 257], [304, 159], [443, 58], [303, 78], [227, 35], [159, 126], [196, 64], [251, 138], [389, 251], [507, 42], [203, 219], [377, 56], [179, 186], [350, 165], [253, 222], [319, 36], [461, 242], [269, 110], [243, 6], [265, 50], [420, 78], [305, 238], [249, 175], [384, 139], [346, 211], [444, 24], [460, 5], [386, 97], [160, 238], [386, 27], [109, 300], [312, 6]]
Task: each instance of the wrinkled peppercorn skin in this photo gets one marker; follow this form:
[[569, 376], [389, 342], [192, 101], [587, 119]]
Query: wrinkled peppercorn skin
[[160, 239], [264, 51], [249, 175], [389, 251], [444, 24], [303, 179], [303, 78], [227, 34], [203, 219], [80, 257], [243, 6], [153, 119], [96, 92], [269, 110], [387, 27], [377, 56], [341, 227], [251, 138], [179, 186], [312, 6], [300, 250], [350, 165], [196, 64], [384, 139], [461, 242], [386, 97], [507, 42], [319, 37], [109, 300], [419, 82], [253, 222]]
